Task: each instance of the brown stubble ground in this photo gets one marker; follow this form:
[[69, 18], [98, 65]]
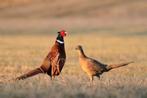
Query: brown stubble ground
[[22, 53]]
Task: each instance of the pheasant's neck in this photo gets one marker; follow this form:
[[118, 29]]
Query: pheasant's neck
[[82, 54], [60, 39], [59, 44]]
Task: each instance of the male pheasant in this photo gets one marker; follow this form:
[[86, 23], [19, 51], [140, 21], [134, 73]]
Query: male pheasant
[[53, 62], [93, 67]]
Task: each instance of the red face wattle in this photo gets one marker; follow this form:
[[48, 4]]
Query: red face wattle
[[63, 33]]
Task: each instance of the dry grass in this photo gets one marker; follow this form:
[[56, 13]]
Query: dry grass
[[21, 53]]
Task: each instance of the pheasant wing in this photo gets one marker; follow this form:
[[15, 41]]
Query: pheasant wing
[[57, 64]]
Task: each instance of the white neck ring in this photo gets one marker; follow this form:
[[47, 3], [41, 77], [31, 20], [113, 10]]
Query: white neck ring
[[61, 42]]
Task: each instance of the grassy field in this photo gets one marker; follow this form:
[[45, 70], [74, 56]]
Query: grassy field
[[21, 53], [111, 31]]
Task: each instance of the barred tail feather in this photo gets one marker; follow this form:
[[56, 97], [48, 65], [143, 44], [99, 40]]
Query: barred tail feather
[[30, 74], [112, 66]]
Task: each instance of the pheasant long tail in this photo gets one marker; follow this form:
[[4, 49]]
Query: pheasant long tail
[[30, 74], [112, 66]]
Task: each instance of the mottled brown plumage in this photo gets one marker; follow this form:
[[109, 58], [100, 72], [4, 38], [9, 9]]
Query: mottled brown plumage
[[93, 67], [53, 62]]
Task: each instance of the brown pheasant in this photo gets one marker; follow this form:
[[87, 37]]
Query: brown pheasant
[[54, 61], [93, 67]]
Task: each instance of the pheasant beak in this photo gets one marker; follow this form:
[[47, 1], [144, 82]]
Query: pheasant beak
[[77, 48], [65, 33]]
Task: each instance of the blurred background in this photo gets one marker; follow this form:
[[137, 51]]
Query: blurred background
[[119, 17]]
